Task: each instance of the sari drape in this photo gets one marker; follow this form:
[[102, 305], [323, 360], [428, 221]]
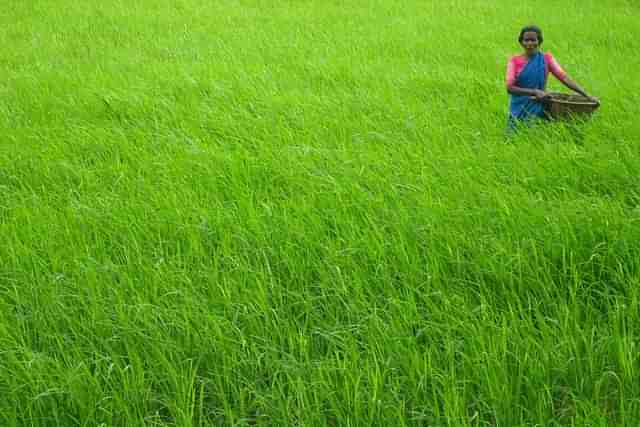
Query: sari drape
[[523, 109]]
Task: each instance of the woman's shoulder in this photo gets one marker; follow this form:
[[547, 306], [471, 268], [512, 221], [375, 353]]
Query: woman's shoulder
[[517, 59], [548, 56]]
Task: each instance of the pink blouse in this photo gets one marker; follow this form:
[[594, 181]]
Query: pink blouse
[[517, 63]]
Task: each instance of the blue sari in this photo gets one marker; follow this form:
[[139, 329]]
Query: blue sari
[[523, 109]]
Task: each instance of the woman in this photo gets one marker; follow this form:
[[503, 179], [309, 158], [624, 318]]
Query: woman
[[527, 79]]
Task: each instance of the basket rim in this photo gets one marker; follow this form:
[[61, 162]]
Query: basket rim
[[584, 101], [573, 103]]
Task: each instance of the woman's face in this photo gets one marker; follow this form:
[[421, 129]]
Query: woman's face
[[530, 42]]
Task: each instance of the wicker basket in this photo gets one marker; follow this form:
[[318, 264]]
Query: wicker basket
[[563, 106]]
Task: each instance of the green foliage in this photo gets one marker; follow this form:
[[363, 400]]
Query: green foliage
[[307, 213]]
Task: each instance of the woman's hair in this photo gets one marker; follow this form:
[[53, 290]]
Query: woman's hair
[[533, 29]]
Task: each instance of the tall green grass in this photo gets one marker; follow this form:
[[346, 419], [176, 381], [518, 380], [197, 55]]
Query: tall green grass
[[307, 213]]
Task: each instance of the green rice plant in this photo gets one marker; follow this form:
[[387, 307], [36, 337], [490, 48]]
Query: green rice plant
[[309, 213]]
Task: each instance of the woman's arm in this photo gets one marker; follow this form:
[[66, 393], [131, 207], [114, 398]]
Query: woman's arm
[[513, 89], [534, 93], [576, 87], [561, 75]]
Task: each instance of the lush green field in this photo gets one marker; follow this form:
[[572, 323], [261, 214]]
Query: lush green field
[[298, 212]]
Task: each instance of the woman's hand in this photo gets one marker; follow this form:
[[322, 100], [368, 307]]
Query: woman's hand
[[594, 99], [539, 95]]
